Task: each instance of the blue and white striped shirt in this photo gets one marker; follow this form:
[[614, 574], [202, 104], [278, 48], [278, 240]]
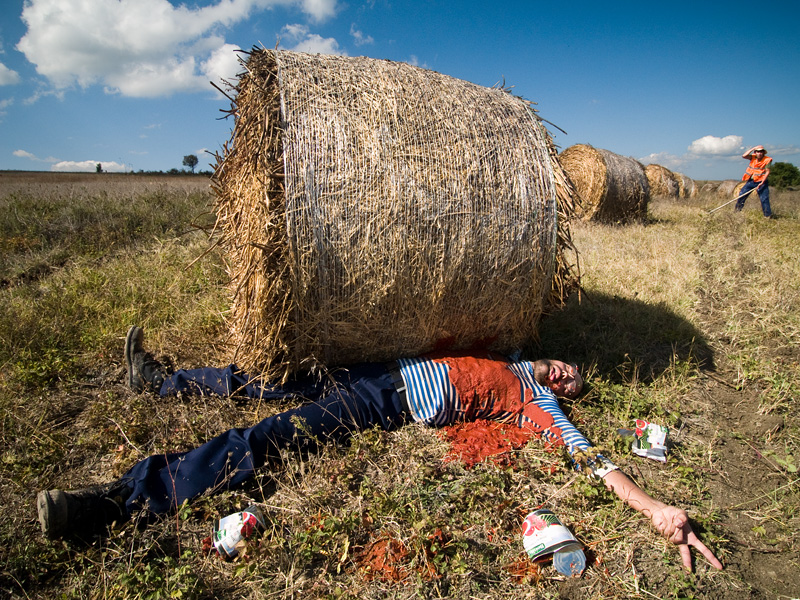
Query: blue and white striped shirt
[[449, 389]]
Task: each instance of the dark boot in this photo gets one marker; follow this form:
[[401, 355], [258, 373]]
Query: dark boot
[[144, 372], [82, 513]]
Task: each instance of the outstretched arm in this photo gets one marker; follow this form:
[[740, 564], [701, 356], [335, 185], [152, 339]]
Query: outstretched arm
[[670, 521]]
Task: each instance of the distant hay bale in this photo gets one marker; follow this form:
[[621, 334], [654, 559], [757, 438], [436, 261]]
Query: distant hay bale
[[370, 210], [662, 181], [686, 186], [727, 187], [610, 188], [709, 188]]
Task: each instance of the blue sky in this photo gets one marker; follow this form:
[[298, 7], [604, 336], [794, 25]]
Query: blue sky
[[125, 83]]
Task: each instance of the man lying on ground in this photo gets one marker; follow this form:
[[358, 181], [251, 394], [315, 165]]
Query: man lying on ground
[[434, 389]]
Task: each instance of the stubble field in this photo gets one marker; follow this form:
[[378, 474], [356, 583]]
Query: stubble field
[[690, 320]]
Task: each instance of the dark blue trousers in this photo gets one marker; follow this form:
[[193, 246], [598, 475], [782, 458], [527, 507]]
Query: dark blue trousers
[[763, 195], [350, 400]]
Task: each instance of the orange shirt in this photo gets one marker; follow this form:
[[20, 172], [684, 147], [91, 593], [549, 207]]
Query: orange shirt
[[757, 169]]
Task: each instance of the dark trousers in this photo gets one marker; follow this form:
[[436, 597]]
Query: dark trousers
[[358, 398], [763, 195]]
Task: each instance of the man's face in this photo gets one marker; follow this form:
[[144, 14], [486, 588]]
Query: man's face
[[564, 379]]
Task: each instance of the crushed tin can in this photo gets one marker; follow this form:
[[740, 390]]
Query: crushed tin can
[[231, 532], [649, 440], [543, 533]]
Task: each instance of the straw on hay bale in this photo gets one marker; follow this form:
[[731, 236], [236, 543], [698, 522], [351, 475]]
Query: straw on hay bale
[[709, 188], [662, 181], [726, 188], [686, 186], [609, 187], [370, 209]]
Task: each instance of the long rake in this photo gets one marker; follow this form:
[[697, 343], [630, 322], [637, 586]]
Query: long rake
[[734, 200]]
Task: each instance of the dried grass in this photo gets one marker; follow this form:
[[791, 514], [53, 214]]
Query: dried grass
[[370, 209], [663, 182], [610, 188]]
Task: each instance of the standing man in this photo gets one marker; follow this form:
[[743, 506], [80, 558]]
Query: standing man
[[756, 177]]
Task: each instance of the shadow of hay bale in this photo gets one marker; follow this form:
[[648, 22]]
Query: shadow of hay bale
[[617, 334]]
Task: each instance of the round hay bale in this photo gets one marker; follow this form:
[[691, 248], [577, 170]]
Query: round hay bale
[[662, 181], [726, 188], [610, 188], [709, 188], [371, 210], [686, 186]]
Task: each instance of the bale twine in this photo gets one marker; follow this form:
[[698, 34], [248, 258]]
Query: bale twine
[[662, 181], [609, 188], [686, 186], [371, 210]]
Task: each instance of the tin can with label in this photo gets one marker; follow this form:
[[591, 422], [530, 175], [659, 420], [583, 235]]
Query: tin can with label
[[231, 531], [543, 533]]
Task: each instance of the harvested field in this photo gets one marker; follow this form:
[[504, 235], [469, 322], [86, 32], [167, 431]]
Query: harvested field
[[690, 320]]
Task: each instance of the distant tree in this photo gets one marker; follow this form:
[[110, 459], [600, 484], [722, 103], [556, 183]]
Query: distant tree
[[190, 161], [783, 175], [99, 167]]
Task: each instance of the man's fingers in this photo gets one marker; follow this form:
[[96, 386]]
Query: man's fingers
[[686, 556], [693, 541]]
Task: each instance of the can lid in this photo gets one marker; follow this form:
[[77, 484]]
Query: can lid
[[570, 561]]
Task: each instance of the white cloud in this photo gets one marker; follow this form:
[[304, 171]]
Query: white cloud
[[710, 145], [305, 41], [319, 10], [142, 48], [24, 154], [88, 166], [665, 159], [358, 36], [223, 64], [7, 76], [413, 60], [31, 156], [782, 150], [4, 104]]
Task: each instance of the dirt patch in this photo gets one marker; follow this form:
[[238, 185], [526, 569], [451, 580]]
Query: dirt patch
[[743, 483]]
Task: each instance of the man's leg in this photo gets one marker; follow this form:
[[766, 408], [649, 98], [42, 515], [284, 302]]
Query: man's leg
[[744, 193], [147, 374], [763, 195], [363, 397], [232, 381]]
